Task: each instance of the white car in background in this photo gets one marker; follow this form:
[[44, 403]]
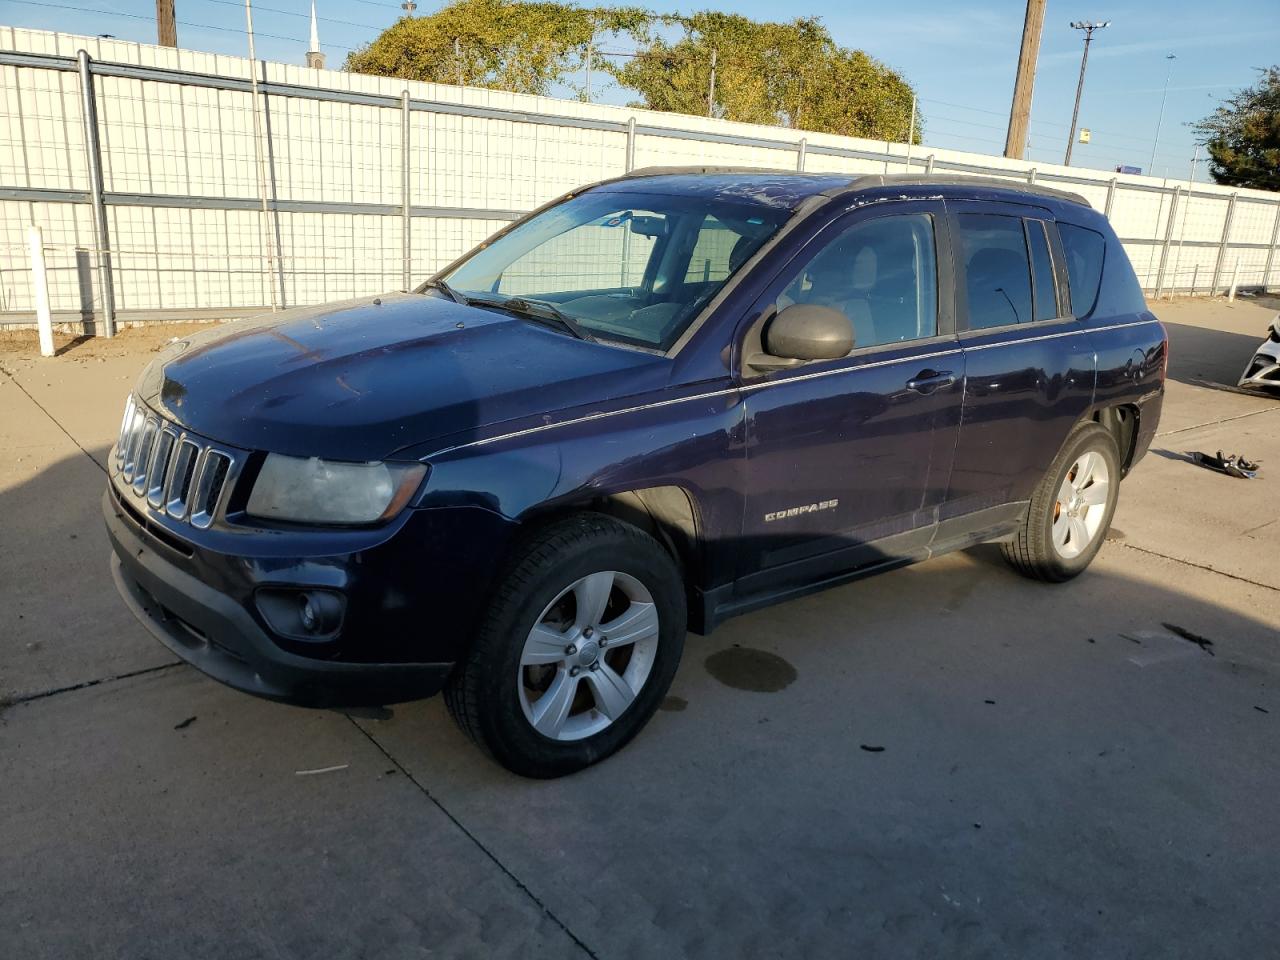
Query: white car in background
[[1263, 370]]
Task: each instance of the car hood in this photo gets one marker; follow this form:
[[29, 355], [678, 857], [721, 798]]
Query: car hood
[[362, 379]]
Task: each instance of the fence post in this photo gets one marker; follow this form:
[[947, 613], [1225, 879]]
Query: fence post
[[631, 144], [1031, 175], [40, 286], [802, 148], [1195, 279], [405, 194], [1271, 251], [1222, 247], [1111, 196], [928, 164], [1168, 238], [1235, 280], [93, 152], [264, 228]]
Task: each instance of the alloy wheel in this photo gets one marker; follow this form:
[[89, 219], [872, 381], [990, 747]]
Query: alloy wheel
[[588, 655], [1081, 504]]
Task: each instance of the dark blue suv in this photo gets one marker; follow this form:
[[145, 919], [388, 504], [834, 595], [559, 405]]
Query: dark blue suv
[[650, 405]]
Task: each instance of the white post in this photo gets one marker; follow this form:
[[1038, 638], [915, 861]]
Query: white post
[[911, 132], [40, 283], [1235, 278]]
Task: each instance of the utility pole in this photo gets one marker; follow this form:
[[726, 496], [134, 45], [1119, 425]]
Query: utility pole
[[1024, 85], [1088, 27], [1160, 120], [166, 26], [711, 87]]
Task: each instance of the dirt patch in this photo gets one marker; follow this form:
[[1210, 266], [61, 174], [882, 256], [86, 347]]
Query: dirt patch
[[128, 341]]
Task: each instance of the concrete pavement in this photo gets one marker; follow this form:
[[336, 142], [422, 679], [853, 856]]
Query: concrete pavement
[[954, 761]]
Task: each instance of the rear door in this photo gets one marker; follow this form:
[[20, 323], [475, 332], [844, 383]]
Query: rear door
[[848, 459], [1029, 365]]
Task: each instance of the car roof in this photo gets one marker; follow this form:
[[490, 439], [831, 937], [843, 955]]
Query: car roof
[[789, 189]]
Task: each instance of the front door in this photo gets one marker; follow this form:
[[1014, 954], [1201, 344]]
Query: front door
[[848, 460]]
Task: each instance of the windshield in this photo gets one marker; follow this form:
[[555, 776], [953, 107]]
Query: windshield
[[629, 267]]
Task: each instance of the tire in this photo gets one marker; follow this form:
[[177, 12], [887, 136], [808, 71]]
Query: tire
[[554, 583], [1038, 550]]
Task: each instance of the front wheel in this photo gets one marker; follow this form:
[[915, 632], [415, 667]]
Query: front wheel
[[1071, 509], [577, 648]]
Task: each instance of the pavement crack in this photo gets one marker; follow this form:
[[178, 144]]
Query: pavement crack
[[1199, 566], [1214, 423], [520, 884], [44, 694], [27, 393]]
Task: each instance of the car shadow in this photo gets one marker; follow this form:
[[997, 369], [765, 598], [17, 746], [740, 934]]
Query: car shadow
[[1205, 357]]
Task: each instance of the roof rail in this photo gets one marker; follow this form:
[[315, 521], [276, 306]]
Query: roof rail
[[675, 171], [959, 179], [867, 181]]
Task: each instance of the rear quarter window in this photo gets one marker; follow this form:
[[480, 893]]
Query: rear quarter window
[[1085, 251]]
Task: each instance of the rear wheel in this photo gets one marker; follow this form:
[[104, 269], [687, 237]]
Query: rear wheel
[[577, 649], [1071, 509]]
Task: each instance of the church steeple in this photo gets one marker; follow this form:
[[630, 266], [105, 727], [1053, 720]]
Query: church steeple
[[315, 59]]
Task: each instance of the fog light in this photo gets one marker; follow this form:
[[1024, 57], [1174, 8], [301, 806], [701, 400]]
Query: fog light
[[301, 613], [308, 613]]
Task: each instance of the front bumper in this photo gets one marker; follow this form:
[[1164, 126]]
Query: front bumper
[[1264, 369], [218, 636]]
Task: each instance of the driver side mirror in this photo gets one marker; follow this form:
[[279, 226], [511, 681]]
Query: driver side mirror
[[804, 332]]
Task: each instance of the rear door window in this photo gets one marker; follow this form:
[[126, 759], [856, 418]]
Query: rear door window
[[1042, 281], [997, 274], [1084, 249]]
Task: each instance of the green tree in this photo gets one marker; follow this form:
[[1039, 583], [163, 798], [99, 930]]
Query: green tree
[[1243, 135], [793, 74], [500, 44]]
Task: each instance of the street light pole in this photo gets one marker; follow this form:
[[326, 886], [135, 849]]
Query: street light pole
[[1088, 27], [1160, 120]]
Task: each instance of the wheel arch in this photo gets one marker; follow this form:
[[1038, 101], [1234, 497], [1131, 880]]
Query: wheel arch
[[666, 512], [1121, 420]]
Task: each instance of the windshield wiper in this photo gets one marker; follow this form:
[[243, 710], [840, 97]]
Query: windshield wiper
[[540, 310], [437, 284]]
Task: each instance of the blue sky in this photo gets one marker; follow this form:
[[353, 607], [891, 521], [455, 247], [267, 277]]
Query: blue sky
[[961, 60]]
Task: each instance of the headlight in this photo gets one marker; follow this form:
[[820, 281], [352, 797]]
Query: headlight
[[327, 491]]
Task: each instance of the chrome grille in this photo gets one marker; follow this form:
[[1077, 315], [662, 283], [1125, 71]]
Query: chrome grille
[[176, 472]]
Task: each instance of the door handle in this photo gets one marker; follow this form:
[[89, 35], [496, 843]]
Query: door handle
[[927, 381]]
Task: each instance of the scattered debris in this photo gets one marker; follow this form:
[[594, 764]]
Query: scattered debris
[[673, 704], [1261, 709], [1131, 639], [1233, 465], [1204, 643], [871, 749], [308, 773], [184, 724], [977, 826], [1090, 640], [992, 702], [388, 773]]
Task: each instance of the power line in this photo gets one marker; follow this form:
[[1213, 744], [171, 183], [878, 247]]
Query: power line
[[259, 8], [181, 23]]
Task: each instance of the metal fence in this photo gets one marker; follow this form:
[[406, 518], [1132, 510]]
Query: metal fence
[[177, 185]]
